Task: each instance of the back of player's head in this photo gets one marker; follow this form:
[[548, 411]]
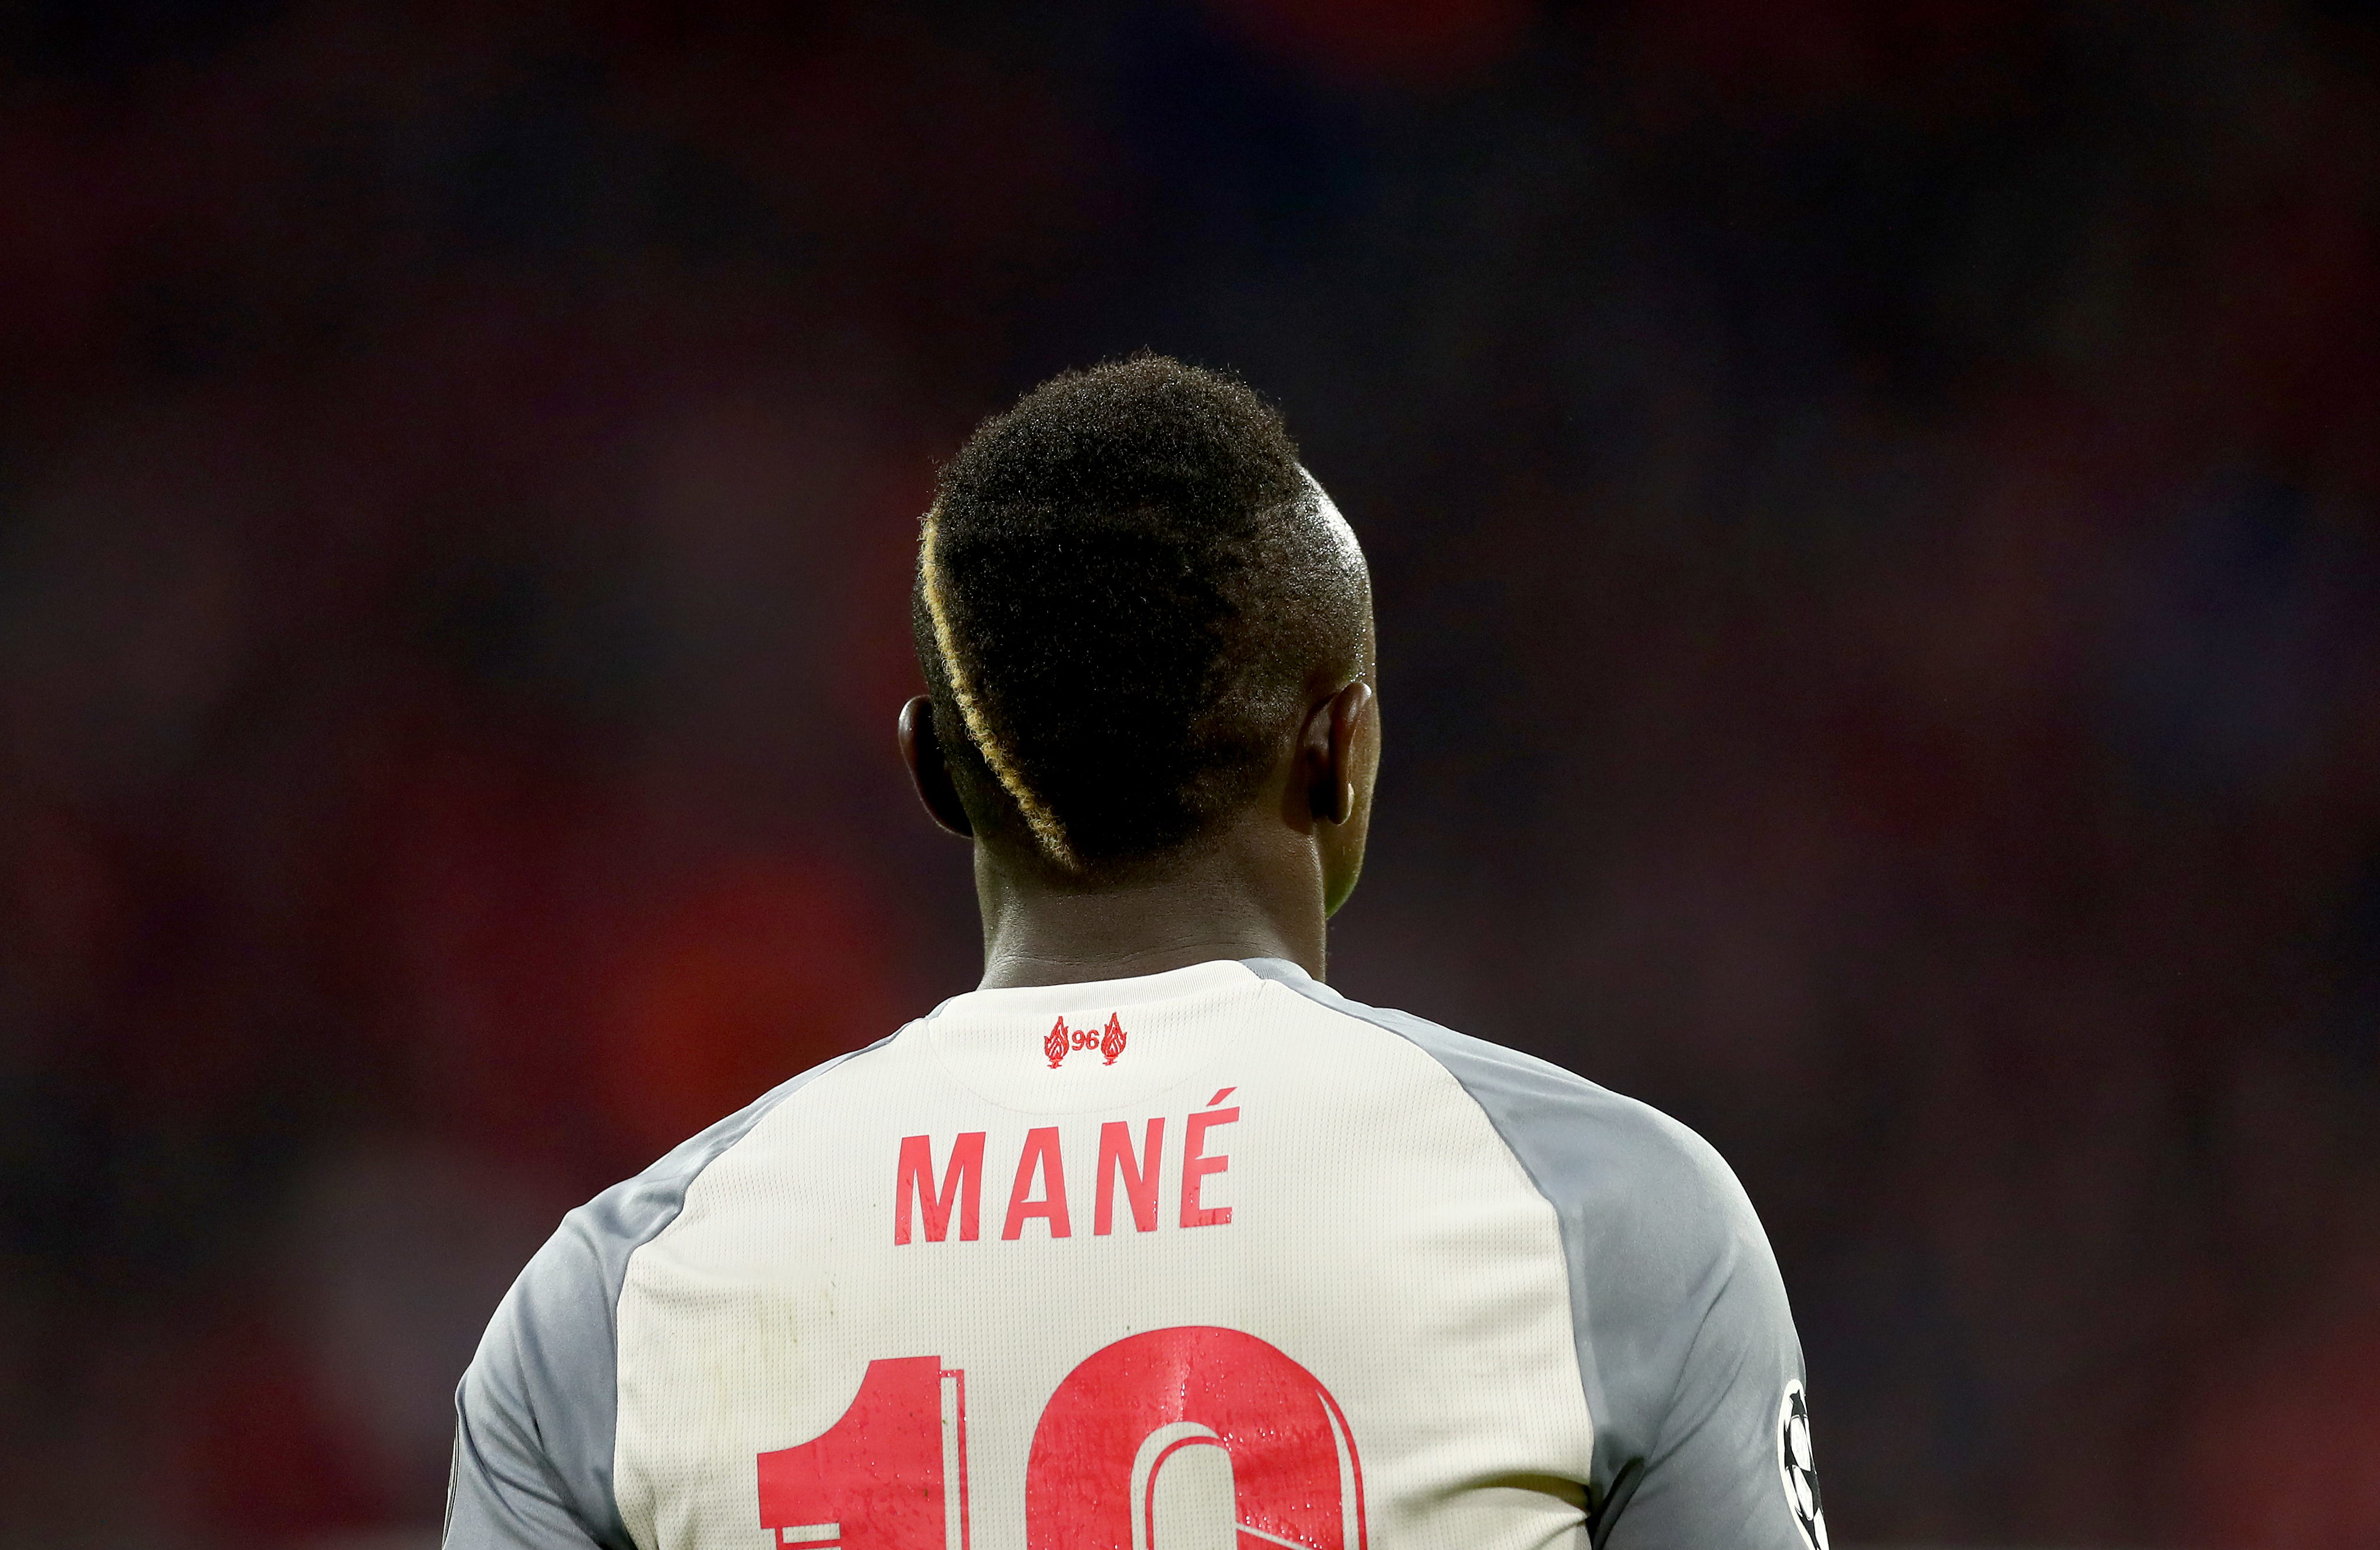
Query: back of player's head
[[1124, 587]]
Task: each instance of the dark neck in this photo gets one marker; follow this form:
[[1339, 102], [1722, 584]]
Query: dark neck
[[1252, 890]]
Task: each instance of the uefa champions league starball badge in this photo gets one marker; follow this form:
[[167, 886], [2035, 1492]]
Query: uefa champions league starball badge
[[1798, 1468]]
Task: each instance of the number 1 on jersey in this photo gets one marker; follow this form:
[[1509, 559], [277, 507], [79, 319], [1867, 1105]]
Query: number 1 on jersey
[[890, 1475]]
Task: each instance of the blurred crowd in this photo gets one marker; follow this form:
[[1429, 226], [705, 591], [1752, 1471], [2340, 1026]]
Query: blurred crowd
[[1873, 508]]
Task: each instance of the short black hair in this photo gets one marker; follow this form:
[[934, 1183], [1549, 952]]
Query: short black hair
[[1122, 587]]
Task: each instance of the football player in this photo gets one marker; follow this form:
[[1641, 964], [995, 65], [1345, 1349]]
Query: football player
[[1153, 1239]]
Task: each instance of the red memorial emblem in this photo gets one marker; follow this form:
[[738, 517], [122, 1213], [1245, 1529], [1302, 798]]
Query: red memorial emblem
[[1062, 1041]]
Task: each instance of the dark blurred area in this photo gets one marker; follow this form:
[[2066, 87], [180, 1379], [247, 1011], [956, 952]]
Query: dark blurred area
[[1874, 515]]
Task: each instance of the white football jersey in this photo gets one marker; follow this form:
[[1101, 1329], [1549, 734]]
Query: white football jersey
[[1207, 1260]]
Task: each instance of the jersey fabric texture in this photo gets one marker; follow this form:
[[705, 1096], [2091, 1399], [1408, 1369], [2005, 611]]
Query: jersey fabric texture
[[1207, 1258]]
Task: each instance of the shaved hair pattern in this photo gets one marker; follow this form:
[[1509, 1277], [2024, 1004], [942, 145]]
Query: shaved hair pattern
[[1043, 822], [1123, 587]]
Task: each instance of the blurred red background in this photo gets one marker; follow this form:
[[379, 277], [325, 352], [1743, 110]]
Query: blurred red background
[[1874, 517]]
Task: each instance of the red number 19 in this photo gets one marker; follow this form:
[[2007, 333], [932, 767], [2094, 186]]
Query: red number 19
[[891, 1473]]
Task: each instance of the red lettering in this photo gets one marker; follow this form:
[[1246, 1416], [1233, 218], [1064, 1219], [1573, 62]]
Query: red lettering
[[893, 1473], [890, 1475], [1196, 1166], [1106, 1434], [1139, 1188], [916, 1185], [1041, 1155]]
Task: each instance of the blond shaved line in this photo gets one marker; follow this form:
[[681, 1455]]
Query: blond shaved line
[[1038, 817]]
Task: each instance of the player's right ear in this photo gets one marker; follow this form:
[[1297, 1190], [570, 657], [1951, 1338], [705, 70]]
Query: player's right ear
[[921, 750]]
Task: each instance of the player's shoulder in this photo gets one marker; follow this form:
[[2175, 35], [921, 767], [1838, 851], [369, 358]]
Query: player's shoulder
[[570, 1286], [1583, 1144], [537, 1404]]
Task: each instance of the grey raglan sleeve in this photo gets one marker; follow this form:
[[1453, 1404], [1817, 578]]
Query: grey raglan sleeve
[[535, 1410], [1685, 1343], [1690, 1342]]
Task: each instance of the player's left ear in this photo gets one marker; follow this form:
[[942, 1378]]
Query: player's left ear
[[921, 750]]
